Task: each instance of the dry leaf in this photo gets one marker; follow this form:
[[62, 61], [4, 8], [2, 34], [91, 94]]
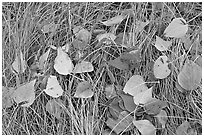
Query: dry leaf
[[140, 25], [66, 47], [145, 127], [43, 59], [162, 118], [162, 45], [7, 100], [109, 36], [135, 85], [53, 106], [128, 102], [117, 63], [177, 28], [123, 123], [190, 76], [143, 97], [53, 88], [63, 64], [115, 109], [25, 94], [183, 128], [49, 28], [19, 64], [84, 90], [83, 66], [161, 69], [82, 34], [110, 91], [115, 20]]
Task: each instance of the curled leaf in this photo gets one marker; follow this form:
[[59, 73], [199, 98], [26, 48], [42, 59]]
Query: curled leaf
[[162, 45], [190, 76], [160, 68], [83, 66], [145, 127], [53, 88], [84, 90], [63, 64], [177, 28]]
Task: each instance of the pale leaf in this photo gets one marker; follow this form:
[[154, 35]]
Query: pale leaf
[[114, 20], [162, 118], [145, 127], [53, 88], [84, 90], [63, 64], [177, 28], [109, 36], [190, 76], [83, 66], [82, 34], [135, 85], [143, 97], [66, 47], [19, 64], [162, 45], [25, 94], [160, 68], [183, 128], [110, 91]]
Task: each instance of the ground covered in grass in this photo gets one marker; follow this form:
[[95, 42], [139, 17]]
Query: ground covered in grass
[[23, 29]]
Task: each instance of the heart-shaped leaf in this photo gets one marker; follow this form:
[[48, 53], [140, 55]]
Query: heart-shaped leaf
[[84, 90], [162, 45], [109, 36], [7, 100], [162, 118], [52, 27], [190, 76], [53, 106], [143, 97], [83, 66], [82, 34], [135, 85], [160, 68], [154, 106], [53, 88], [123, 123], [145, 127], [114, 20], [43, 59], [25, 94], [177, 28], [19, 64], [128, 102], [63, 64]]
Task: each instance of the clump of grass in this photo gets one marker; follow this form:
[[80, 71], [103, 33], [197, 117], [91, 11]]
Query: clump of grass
[[21, 29]]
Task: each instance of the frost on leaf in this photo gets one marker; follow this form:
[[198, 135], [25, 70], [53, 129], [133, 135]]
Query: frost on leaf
[[190, 76], [63, 64], [53, 106], [135, 85], [113, 21], [160, 68], [25, 94], [83, 66], [145, 127], [84, 90], [19, 64], [122, 124], [53, 88], [162, 45], [177, 28]]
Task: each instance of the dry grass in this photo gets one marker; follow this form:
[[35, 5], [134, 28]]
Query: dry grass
[[21, 24]]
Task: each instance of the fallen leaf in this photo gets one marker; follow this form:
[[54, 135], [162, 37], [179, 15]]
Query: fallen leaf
[[183, 128], [115, 109], [43, 60], [122, 39], [83, 66], [53, 106], [84, 90], [190, 76], [160, 68], [198, 60], [109, 36], [140, 25], [79, 44], [162, 45], [128, 102], [19, 64], [162, 118], [49, 28], [82, 34], [117, 63], [143, 97], [66, 47], [177, 28], [53, 88], [110, 91], [145, 127], [123, 123], [63, 64], [25, 94], [135, 85], [154, 106], [7, 100], [108, 132], [115, 20]]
